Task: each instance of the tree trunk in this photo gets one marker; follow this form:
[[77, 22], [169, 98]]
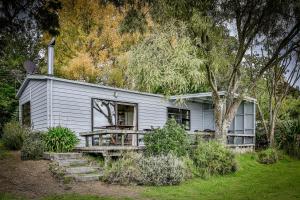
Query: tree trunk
[[220, 129], [223, 117], [272, 128]]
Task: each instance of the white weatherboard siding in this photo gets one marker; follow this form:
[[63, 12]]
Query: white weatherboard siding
[[71, 106], [36, 93], [67, 103]]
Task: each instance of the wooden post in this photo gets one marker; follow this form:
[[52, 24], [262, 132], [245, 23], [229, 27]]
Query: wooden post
[[122, 139], [86, 141], [100, 140]]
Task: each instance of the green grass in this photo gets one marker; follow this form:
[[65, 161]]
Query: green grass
[[252, 181], [80, 197]]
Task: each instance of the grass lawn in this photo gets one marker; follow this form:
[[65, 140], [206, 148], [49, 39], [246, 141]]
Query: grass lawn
[[252, 181]]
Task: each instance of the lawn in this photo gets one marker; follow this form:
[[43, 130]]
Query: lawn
[[252, 181]]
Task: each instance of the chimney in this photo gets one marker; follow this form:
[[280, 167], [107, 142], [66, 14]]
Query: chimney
[[51, 56]]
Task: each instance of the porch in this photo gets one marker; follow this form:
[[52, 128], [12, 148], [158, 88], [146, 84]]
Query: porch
[[112, 142]]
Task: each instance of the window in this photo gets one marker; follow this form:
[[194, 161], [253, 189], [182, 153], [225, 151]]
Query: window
[[26, 116], [243, 127], [181, 116], [112, 114]]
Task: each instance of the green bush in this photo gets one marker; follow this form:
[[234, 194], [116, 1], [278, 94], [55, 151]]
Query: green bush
[[60, 139], [13, 135], [124, 171], [162, 170], [268, 156], [288, 137], [212, 158], [33, 146], [153, 170], [172, 138]]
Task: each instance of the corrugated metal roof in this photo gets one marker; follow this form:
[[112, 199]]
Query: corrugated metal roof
[[175, 97]]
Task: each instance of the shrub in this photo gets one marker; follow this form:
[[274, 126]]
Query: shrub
[[288, 137], [124, 171], [212, 158], [162, 170], [33, 146], [153, 170], [60, 139], [13, 135], [268, 156], [172, 138]]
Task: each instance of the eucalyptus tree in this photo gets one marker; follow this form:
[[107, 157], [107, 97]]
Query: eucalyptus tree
[[236, 26]]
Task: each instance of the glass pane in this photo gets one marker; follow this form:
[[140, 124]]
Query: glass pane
[[104, 114], [240, 109], [249, 108], [125, 115], [230, 140], [239, 122], [238, 140], [249, 131], [208, 121], [249, 140], [239, 132], [249, 122], [26, 116], [181, 116]]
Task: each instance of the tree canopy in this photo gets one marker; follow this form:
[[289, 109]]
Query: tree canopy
[[166, 62]]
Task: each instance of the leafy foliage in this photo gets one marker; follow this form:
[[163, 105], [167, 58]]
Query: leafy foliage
[[212, 158], [166, 62], [33, 146], [153, 170], [60, 139], [162, 170], [90, 42], [172, 138], [288, 137], [124, 171], [8, 103], [268, 156], [13, 135]]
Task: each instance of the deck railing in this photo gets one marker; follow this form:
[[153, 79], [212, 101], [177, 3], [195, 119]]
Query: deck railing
[[113, 137]]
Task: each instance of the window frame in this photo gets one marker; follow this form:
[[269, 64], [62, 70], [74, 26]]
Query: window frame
[[22, 114], [116, 103], [180, 109]]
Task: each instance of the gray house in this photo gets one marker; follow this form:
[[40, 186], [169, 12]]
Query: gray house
[[47, 101]]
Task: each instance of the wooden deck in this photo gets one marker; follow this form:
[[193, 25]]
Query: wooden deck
[[112, 142]]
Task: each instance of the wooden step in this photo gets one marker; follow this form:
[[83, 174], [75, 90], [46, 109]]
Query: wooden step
[[81, 170]]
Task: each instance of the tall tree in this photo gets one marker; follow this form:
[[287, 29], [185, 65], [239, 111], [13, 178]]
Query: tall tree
[[90, 41], [279, 81], [252, 23], [22, 23], [166, 62]]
